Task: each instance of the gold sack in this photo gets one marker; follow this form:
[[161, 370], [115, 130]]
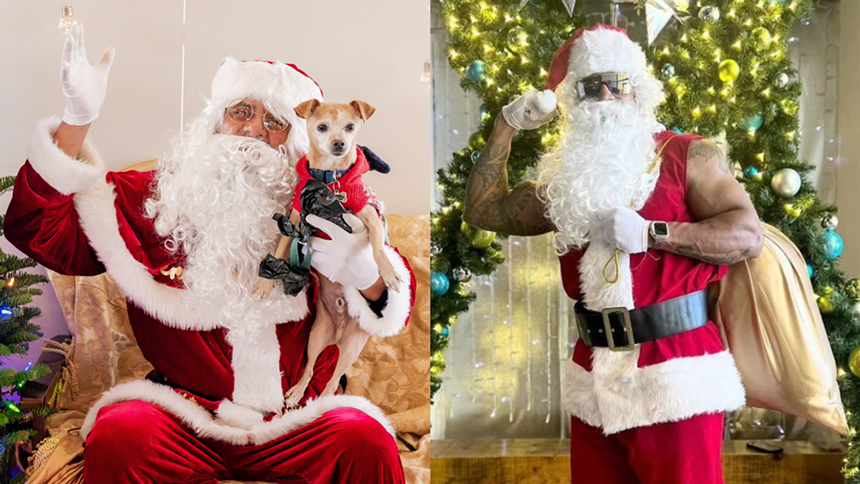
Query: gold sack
[[767, 309]]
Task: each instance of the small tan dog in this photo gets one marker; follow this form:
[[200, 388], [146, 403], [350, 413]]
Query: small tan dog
[[332, 129]]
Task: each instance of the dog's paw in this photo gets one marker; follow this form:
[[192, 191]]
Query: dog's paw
[[390, 277], [263, 288], [294, 395]]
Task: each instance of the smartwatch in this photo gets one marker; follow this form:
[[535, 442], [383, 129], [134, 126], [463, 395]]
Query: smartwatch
[[659, 231]]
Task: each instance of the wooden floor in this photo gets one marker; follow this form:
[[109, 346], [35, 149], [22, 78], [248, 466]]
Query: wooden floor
[[548, 462]]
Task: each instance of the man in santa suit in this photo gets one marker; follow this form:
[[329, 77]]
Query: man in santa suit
[[184, 243], [644, 219]]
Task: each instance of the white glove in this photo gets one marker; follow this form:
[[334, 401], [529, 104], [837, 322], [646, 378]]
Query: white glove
[[531, 110], [84, 85], [346, 258], [621, 228]]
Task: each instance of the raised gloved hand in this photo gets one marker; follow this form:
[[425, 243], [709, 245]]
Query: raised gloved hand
[[621, 228], [346, 258], [83, 85], [531, 110]]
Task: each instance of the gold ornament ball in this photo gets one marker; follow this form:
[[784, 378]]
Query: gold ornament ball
[[854, 361], [729, 70], [825, 305], [476, 141], [852, 289], [483, 239], [762, 38], [497, 257]]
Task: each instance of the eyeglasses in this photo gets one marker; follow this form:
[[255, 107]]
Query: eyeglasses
[[274, 120], [590, 87]]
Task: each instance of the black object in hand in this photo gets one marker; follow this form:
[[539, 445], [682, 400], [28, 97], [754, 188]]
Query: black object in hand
[[278, 269], [317, 199]]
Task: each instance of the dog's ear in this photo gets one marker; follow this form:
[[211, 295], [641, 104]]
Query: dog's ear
[[305, 109], [363, 109]]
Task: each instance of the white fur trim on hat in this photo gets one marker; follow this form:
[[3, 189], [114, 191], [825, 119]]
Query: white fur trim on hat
[[605, 50]]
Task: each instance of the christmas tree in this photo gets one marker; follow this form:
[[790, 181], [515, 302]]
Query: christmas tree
[[725, 73], [16, 333]]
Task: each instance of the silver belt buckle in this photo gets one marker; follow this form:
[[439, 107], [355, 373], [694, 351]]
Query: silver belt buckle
[[628, 328]]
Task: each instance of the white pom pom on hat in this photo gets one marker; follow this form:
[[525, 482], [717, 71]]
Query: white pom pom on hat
[[593, 50]]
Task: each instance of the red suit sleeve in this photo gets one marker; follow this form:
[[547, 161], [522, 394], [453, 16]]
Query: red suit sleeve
[[44, 224]]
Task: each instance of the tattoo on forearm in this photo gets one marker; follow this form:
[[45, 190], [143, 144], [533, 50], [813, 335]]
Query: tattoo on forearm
[[492, 204]]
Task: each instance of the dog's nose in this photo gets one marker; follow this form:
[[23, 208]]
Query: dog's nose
[[338, 144]]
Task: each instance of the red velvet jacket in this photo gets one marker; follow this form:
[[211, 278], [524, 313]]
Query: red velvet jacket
[[76, 219]]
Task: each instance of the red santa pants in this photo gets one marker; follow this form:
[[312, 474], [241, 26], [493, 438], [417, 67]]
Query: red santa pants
[[684, 452], [138, 442]]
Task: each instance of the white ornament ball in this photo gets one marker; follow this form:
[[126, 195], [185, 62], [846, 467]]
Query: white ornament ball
[[786, 183], [782, 80], [709, 13]]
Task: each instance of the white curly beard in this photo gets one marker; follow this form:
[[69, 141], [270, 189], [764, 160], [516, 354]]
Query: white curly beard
[[214, 202], [602, 162]]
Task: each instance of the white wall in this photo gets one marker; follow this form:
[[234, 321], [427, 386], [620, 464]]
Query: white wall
[[848, 179], [372, 50]]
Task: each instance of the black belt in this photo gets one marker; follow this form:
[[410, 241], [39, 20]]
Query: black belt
[[620, 328]]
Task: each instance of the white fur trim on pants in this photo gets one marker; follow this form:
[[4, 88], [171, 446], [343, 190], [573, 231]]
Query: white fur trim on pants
[[395, 313], [617, 395], [232, 424], [66, 174]]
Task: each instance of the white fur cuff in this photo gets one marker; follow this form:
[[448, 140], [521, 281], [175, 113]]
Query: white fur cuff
[[59, 170], [395, 314]]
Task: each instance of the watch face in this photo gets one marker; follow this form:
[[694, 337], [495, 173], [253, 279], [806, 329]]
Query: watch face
[[661, 229]]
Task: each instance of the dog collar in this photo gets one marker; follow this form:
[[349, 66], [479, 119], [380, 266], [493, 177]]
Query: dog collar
[[327, 176]]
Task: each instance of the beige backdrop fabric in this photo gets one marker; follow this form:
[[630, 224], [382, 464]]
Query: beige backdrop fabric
[[394, 373]]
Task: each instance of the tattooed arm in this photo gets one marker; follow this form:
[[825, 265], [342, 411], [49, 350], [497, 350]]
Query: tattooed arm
[[728, 229], [490, 204]]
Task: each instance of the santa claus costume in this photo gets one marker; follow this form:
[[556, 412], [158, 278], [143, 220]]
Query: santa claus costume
[[651, 413], [225, 359]]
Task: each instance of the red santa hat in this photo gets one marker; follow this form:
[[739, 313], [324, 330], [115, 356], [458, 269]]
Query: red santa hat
[[596, 49]]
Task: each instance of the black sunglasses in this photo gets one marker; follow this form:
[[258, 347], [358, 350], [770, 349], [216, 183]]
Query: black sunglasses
[[590, 87]]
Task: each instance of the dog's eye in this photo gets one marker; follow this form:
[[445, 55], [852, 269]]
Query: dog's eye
[[322, 128], [349, 128]]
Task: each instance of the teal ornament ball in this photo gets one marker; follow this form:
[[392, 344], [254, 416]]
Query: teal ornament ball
[[476, 71], [750, 172], [677, 130], [833, 244], [668, 70], [439, 283], [809, 269], [445, 332], [485, 112], [475, 155], [752, 123]]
